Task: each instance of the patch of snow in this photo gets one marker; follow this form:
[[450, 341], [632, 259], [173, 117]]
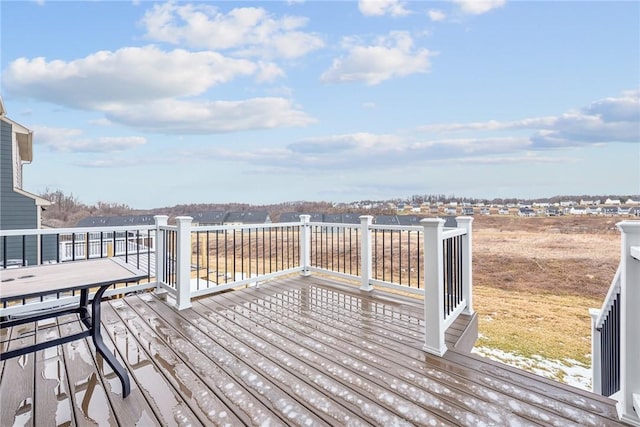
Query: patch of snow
[[568, 371]]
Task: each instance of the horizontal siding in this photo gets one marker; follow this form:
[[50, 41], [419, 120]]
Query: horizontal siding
[[17, 211]]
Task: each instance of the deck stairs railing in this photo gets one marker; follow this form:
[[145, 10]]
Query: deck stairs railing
[[615, 344]]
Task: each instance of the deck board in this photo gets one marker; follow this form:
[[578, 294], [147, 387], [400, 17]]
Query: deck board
[[51, 393], [17, 384], [292, 351], [208, 382]]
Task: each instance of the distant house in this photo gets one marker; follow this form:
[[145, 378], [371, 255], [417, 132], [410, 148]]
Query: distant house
[[19, 209], [387, 220], [503, 210], [467, 210], [295, 216], [485, 211], [578, 210], [346, 218], [116, 221], [450, 210], [610, 210], [632, 202], [450, 222], [612, 202], [208, 218], [409, 220], [635, 211], [553, 211], [246, 217], [526, 212], [593, 210]]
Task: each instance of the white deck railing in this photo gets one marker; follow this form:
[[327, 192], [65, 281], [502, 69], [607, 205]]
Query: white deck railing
[[188, 262], [615, 344], [195, 261], [21, 248]]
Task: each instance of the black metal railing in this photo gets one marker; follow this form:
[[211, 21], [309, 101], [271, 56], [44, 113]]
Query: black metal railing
[[452, 273], [336, 248], [169, 251], [610, 349], [225, 255], [24, 248], [50, 246], [398, 256]]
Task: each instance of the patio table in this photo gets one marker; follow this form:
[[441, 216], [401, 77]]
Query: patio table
[[51, 279]]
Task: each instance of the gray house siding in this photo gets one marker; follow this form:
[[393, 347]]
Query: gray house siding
[[16, 210]]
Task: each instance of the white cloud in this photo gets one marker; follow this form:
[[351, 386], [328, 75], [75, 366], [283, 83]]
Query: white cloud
[[361, 141], [106, 80], [617, 120], [100, 122], [109, 163], [436, 15], [392, 56], [268, 72], [72, 140], [383, 7], [613, 119], [151, 89], [249, 31], [202, 117], [491, 125], [478, 7]]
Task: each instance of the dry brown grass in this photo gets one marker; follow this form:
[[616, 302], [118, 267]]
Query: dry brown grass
[[536, 278]]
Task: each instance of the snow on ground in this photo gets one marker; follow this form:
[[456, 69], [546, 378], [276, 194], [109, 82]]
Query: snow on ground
[[567, 371]]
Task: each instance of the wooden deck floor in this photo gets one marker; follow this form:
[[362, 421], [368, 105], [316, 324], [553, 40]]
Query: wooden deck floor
[[297, 351]]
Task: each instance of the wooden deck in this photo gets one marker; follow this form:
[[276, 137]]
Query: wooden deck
[[296, 351]]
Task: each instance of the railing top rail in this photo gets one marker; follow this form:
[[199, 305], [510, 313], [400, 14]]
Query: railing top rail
[[47, 231], [453, 232], [396, 227], [244, 226], [335, 224], [614, 288]]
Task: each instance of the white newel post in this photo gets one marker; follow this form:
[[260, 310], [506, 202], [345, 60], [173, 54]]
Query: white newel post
[[596, 365], [183, 263], [629, 320], [467, 259], [433, 290], [305, 244], [366, 252], [161, 250]]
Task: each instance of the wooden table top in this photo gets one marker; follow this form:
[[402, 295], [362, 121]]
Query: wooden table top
[[52, 278]]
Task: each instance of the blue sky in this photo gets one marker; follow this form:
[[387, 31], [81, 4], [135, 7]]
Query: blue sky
[[159, 103]]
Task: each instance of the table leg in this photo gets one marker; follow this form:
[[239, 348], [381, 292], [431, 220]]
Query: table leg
[[84, 313], [102, 348]]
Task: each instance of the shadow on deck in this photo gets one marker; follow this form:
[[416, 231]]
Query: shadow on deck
[[294, 351]]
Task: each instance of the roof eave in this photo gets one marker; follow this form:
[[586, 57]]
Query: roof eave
[[39, 200]]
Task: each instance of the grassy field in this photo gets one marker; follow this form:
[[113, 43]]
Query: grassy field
[[536, 278]]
